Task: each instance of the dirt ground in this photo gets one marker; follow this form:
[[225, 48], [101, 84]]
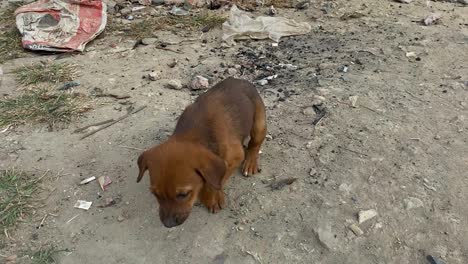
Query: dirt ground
[[393, 97]]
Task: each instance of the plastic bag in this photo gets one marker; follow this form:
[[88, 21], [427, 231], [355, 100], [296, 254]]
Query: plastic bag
[[241, 26], [60, 25]]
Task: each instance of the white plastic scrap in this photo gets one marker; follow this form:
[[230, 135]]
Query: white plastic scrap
[[241, 26]]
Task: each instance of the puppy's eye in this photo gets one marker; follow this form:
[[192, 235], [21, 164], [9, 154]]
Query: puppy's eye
[[182, 195]]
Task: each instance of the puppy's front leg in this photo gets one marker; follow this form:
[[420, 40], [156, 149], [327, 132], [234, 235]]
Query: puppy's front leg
[[213, 199]]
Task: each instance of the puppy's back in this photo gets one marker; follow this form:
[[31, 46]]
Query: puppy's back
[[229, 105]]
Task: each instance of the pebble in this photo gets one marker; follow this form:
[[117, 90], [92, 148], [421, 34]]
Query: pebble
[[199, 83], [174, 84], [312, 172], [326, 237], [262, 82], [318, 100], [272, 11], [125, 11], [153, 76], [413, 202], [367, 215], [343, 69], [356, 230], [231, 71], [344, 187], [120, 218], [309, 111]]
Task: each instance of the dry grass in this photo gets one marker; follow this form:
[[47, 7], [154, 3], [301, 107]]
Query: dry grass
[[46, 255], [41, 106], [46, 72], [148, 26], [10, 38], [17, 195]]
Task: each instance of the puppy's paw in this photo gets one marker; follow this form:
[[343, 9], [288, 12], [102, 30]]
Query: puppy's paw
[[250, 164], [215, 202]]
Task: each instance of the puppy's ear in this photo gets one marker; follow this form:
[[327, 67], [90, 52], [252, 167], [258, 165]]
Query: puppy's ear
[[211, 168], [142, 165]]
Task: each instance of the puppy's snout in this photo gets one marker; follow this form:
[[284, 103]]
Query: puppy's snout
[[172, 219]]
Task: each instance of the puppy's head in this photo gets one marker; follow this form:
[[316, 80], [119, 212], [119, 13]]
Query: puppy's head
[[178, 171]]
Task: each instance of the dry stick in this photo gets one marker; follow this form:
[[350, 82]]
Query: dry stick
[[97, 124], [114, 122]]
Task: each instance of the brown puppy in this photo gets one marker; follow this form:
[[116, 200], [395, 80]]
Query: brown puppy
[[205, 150]]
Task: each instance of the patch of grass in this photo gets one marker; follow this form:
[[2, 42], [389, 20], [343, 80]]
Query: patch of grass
[[41, 106], [148, 26], [10, 38], [46, 255], [17, 191], [45, 72]]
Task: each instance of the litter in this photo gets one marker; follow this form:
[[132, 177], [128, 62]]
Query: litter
[[69, 85], [88, 180], [241, 26], [177, 11], [356, 230], [432, 18], [199, 83], [59, 25], [85, 205], [104, 181]]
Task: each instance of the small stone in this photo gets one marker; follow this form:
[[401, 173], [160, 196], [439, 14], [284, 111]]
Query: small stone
[[125, 11], [174, 84], [413, 202], [231, 71], [309, 111], [353, 100], [343, 69], [312, 172], [241, 228], [367, 215], [149, 41], [262, 82], [153, 76], [432, 18], [199, 83], [356, 230], [326, 237], [120, 218], [172, 64], [318, 100], [237, 66], [272, 11], [269, 137]]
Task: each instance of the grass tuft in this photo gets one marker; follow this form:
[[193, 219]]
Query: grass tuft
[[148, 26], [10, 37], [46, 255], [46, 72], [17, 191], [41, 106]]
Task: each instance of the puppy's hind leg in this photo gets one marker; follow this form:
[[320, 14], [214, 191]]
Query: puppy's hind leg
[[257, 136]]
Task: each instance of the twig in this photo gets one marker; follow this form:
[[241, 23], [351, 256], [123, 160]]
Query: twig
[[71, 219], [114, 122], [97, 124], [127, 147], [168, 49]]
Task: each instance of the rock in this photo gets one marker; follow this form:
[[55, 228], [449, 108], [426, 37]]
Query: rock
[[326, 237], [309, 111], [149, 41], [238, 67], [356, 230], [318, 100], [262, 82], [272, 11], [343, 69], [367, 215], [199, 83], [312, 172], [157, 2], [125, 11], [174, 84], [412, 202], [153, 76], [231, 71], [432, 18], [120, 218], [434, 260]]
